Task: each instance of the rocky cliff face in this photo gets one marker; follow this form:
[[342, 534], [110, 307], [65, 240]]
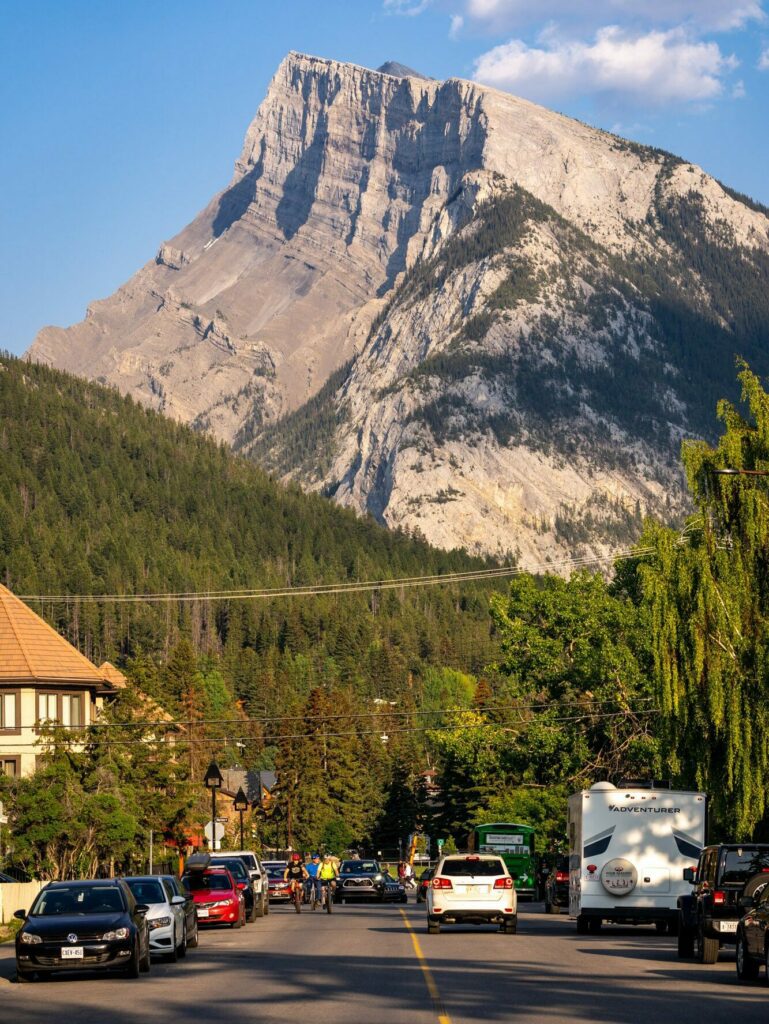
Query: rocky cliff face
[[448, 307]]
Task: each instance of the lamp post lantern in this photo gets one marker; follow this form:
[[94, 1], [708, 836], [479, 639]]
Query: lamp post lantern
[[240, 803], [213, 780]]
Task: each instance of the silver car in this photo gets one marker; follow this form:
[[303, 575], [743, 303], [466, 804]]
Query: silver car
[[166, 918]]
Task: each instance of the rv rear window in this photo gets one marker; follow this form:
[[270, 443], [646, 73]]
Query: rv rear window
[[742, 864]]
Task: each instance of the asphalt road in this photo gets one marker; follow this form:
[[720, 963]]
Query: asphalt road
[[361, 966]]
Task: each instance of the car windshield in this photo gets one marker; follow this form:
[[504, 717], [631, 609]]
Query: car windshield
[[354, 867], [215, 882], [743, 863], [79, 899], [276, 871], [146, 892], [235, 866], [468, 867]]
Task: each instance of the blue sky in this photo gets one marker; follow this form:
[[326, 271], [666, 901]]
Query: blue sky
[[121, 119]]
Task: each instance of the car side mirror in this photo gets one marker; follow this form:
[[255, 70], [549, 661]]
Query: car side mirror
[[21, 915], [178, 901], [142, 908], [690, 875], [256, 876]]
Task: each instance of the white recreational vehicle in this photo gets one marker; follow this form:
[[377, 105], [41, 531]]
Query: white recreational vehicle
[[627, 852]]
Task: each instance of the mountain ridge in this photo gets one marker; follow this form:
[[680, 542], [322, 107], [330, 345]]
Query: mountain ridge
[[474, 397]]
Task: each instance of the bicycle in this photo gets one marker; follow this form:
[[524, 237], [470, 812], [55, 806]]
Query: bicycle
[[327, 897], [296, 895], [311, 893]]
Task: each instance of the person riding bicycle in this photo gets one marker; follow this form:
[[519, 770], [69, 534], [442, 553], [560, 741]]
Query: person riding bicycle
[[296, 874], [313, 881], [327, 873]]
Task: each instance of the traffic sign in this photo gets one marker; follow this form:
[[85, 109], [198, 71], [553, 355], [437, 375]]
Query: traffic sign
[[439, 843], [214, 834]]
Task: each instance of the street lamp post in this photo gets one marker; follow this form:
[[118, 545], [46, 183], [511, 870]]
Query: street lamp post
[[213, 781], [240, 803]]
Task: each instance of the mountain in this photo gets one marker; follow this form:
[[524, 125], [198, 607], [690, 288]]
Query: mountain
[[101, 496], [448, 307]]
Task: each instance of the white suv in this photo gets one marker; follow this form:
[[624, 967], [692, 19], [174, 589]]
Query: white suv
[[258, 875], [476, 888]]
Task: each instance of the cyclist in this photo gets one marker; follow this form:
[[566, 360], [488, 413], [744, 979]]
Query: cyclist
[[313, 881], [296, 874], [327, 874]]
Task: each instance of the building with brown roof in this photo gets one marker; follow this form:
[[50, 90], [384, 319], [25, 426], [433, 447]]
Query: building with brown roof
[[43, 678]]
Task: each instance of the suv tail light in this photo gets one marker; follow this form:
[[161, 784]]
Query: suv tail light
[[503, 883], [719, 896], [442, 883]]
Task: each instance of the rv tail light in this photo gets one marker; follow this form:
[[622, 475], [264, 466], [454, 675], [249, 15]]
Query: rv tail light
[[562, 876], [503, 883], [592, 868], [719, 896], [442, 883]]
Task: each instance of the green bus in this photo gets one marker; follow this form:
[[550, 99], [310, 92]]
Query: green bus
[[515, 845]]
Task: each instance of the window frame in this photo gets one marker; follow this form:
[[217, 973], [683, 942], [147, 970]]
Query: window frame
[[16, 730], [60, 695], [16, 758]]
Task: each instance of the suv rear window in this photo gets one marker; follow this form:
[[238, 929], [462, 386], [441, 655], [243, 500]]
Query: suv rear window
[[740, 865], [458, 867]]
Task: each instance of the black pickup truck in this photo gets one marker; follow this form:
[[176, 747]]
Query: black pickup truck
[[724, 876]]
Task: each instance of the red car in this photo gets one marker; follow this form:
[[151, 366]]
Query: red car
[[279, 888], [218, 898]]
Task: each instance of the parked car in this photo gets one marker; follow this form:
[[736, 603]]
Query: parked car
[[557, 884], [394, 889], [190, 913], [423, 884], [237, 868], [166, 917], [258, 877], [218, 900], [278, 887], [83, 925], [709, 916], [360, 879], [472, 888], [753, 930]]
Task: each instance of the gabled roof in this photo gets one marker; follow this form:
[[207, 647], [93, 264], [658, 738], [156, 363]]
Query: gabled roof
[[32, 652]]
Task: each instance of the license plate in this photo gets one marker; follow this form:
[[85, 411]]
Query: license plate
[[202, 913], [72, 953], [727, 926]]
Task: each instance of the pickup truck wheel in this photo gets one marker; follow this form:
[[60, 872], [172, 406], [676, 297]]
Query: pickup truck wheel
[[747, 967], [595, 925], [685, 942], [705, 948]]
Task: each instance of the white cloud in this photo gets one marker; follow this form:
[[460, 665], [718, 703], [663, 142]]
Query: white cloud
[[702, 14], [457, 21], [408, 7], [653, 68], [763, 60]]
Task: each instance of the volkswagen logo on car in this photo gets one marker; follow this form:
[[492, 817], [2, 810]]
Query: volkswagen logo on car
[[72, 937]]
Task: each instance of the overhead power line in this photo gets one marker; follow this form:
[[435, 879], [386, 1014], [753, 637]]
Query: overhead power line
[[349, 587], [384, 712]]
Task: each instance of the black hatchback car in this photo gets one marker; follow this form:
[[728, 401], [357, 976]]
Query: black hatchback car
[[83, 926]]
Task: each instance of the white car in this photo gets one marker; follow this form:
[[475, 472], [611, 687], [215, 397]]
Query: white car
[[166, 918], [473, 888], [258, 875]]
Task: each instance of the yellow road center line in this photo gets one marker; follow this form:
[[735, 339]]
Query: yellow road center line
[[432, 988]]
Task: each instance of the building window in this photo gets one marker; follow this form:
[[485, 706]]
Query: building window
[[10, 765], [9, 711], [72, 710], [47, 707]]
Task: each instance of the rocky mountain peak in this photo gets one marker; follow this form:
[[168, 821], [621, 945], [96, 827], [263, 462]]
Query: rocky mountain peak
[[445, 305]]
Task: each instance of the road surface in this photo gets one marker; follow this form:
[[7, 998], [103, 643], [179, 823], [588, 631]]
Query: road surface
[[362, 965]]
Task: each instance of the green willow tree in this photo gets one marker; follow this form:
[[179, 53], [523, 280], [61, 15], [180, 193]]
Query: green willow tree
[[707, 592]]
